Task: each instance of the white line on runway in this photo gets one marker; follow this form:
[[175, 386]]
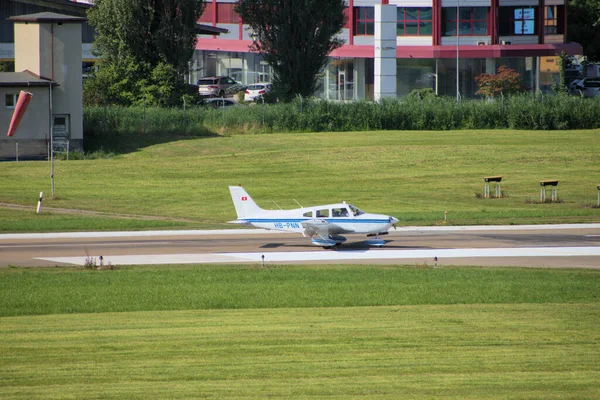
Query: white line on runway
[[332, 255], [476, 228]]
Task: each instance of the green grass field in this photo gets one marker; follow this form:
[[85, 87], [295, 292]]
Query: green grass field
[[390, 332], [298, 332], [415, 176]]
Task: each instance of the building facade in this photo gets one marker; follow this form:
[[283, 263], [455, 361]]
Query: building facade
[[50, 69], [395, 46]]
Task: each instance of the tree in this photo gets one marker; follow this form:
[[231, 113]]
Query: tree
[[295, 37], [584, 26], [133, 39], [563, 62], [506, 81]]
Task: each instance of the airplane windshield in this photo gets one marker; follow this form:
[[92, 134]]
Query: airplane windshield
[[355, 211]]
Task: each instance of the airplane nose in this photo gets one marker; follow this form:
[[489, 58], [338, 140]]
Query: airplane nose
[[393, 220]]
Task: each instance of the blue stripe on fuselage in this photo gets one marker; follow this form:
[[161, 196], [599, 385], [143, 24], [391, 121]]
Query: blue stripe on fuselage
[[330, 220]]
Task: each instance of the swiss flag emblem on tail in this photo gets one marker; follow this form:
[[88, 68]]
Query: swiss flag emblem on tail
[[244, 198]]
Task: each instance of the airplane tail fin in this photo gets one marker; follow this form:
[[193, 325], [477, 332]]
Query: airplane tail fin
[[244, 205]]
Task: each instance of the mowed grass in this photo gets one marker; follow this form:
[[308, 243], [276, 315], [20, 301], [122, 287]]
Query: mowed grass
[[12, 220], [415, 176], [298, 332], [525, 351], [25, 291]]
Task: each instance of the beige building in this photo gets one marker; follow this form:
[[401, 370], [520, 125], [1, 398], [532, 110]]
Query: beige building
[[48, 58]]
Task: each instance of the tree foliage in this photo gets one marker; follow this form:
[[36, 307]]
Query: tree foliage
[[295, 37], [505, 81], [584, 26], [145, 47]]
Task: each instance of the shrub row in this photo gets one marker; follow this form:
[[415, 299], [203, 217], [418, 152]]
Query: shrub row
[[432, 113]]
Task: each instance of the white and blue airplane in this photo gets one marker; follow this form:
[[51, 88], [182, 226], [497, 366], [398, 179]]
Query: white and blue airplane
[[323, 224]]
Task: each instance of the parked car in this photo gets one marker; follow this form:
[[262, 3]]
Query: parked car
[[220, 102], [218, 86], [256, 90], [588, 87]]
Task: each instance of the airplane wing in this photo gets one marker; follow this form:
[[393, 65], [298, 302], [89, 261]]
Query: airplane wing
[[316, 227]]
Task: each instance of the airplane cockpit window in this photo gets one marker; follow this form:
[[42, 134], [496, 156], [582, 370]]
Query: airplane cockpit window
[[355, 211], [323, 213], [339, 212], [308, 214]]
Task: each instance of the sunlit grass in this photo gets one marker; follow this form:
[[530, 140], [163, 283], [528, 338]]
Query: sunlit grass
[[415, 176], [43, 291], [489, 351]]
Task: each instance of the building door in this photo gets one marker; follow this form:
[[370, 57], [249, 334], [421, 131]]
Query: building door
[[60, 127], [345, 80]]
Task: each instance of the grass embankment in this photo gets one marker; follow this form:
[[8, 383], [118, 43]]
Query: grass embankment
[[433, 338], [415, 176]]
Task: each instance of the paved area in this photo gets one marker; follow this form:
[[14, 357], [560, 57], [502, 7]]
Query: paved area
[[557, 246]]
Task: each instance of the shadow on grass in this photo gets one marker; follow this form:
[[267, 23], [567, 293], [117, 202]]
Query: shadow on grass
[[115, 143]]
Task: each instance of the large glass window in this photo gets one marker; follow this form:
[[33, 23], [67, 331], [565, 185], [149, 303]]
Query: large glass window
[[414, 21], [364, 21], [517, 21], [226, 15], [207, 15], [554, 20], [472, 21]]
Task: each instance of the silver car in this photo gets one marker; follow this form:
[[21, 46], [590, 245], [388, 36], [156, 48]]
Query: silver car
[[217, 86]]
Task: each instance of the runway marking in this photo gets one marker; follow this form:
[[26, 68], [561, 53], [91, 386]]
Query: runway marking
[[340, 255]]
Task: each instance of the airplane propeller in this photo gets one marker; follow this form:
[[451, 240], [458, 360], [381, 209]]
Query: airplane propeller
[[393, 221]]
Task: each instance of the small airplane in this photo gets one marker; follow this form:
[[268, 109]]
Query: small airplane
[[323, 224]]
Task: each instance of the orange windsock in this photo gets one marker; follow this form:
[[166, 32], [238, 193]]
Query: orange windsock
[[22, 103]]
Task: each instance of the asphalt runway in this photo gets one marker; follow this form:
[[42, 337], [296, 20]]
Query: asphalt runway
[[553, 246]]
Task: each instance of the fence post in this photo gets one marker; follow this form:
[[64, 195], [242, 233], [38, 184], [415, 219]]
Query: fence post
[[184, 115], [17, 151], [263, 110], [105, 126]]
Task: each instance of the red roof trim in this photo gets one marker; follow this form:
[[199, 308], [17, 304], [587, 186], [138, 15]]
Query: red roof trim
[[355, 51]]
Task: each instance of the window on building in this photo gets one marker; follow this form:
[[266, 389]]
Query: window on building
[[207, 15], [226, 15], [554, 20], [414, 21], [517, 21], [364, 21], [472, 21], [10, 100]]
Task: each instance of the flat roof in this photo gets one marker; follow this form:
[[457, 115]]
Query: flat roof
[[202, 29], [23, 78], [47, 17]]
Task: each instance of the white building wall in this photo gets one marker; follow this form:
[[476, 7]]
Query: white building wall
[[385, 51]]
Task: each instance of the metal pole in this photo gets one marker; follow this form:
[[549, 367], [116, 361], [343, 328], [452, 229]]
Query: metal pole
[[184, 115], [51, 138], [457, 43], [17, 151], [263, 109]]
